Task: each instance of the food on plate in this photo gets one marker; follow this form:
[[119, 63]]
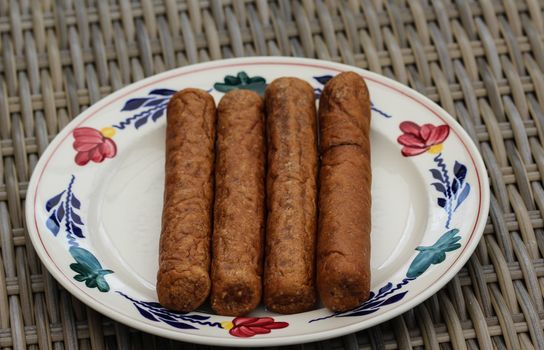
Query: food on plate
[[300, 245], [291, 196], [343, 244], [238, 236], [183, 281]]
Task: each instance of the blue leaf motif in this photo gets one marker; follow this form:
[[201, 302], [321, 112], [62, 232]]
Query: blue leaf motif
[[463, 195], [394, 298], [197, 317], [370, 304], [53, 201], [380, 112], [152, 106], [140, 122], [60, 213], [76, 219], [155, 312], [460, 171], [157, 114], [152, 304], [175, 319], [455, 186], [385, 288], [439, 187], [134, 103], [437, 175], [77, 231], [145, 313], [162, 92], [52, 224], [164, 316], [75, 202], [155, 102], [375, 301], [323, 79]]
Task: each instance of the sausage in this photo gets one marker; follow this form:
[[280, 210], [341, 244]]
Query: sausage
[[291, 196], [343, 247], [238, 237], [183, 281]]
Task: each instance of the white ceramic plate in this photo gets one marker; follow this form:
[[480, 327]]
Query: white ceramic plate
[[94, 202]]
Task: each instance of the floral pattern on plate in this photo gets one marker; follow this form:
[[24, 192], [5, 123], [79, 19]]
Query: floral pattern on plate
[[97, 145], [63, 209], [65, 212], [94, 145]]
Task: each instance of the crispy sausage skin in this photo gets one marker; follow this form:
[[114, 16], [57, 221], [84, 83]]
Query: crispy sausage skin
[[183, 281], [238, 237], [343, 248], [291, 196]]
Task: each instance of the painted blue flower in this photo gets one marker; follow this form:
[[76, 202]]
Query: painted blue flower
[[453, 191], [151, 107], [63, 209], [153, 311]]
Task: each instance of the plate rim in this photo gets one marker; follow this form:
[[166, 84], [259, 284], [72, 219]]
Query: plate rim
[[452, 270]]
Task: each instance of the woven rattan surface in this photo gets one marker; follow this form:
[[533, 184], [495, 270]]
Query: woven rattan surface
[[483, 61]]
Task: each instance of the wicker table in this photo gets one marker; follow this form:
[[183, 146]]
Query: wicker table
[[482, 61]]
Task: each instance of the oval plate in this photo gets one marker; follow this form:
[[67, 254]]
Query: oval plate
[[94, 204]]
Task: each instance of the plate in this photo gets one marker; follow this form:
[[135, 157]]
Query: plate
[[94, 203]]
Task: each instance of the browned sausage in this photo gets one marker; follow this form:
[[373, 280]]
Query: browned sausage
[[238, 240], [183, 281], [291, 196], [343, 248]]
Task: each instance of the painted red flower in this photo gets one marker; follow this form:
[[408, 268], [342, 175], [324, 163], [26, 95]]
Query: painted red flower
[[246, 327], [418, 139], [93, 145]]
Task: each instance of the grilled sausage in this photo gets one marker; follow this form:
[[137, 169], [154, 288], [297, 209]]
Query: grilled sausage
[[238, 240], [183, 281], [291, 196], [343, 248]]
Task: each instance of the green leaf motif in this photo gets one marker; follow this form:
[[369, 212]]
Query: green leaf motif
[[434, 254], [242, 81], [89, 269]]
